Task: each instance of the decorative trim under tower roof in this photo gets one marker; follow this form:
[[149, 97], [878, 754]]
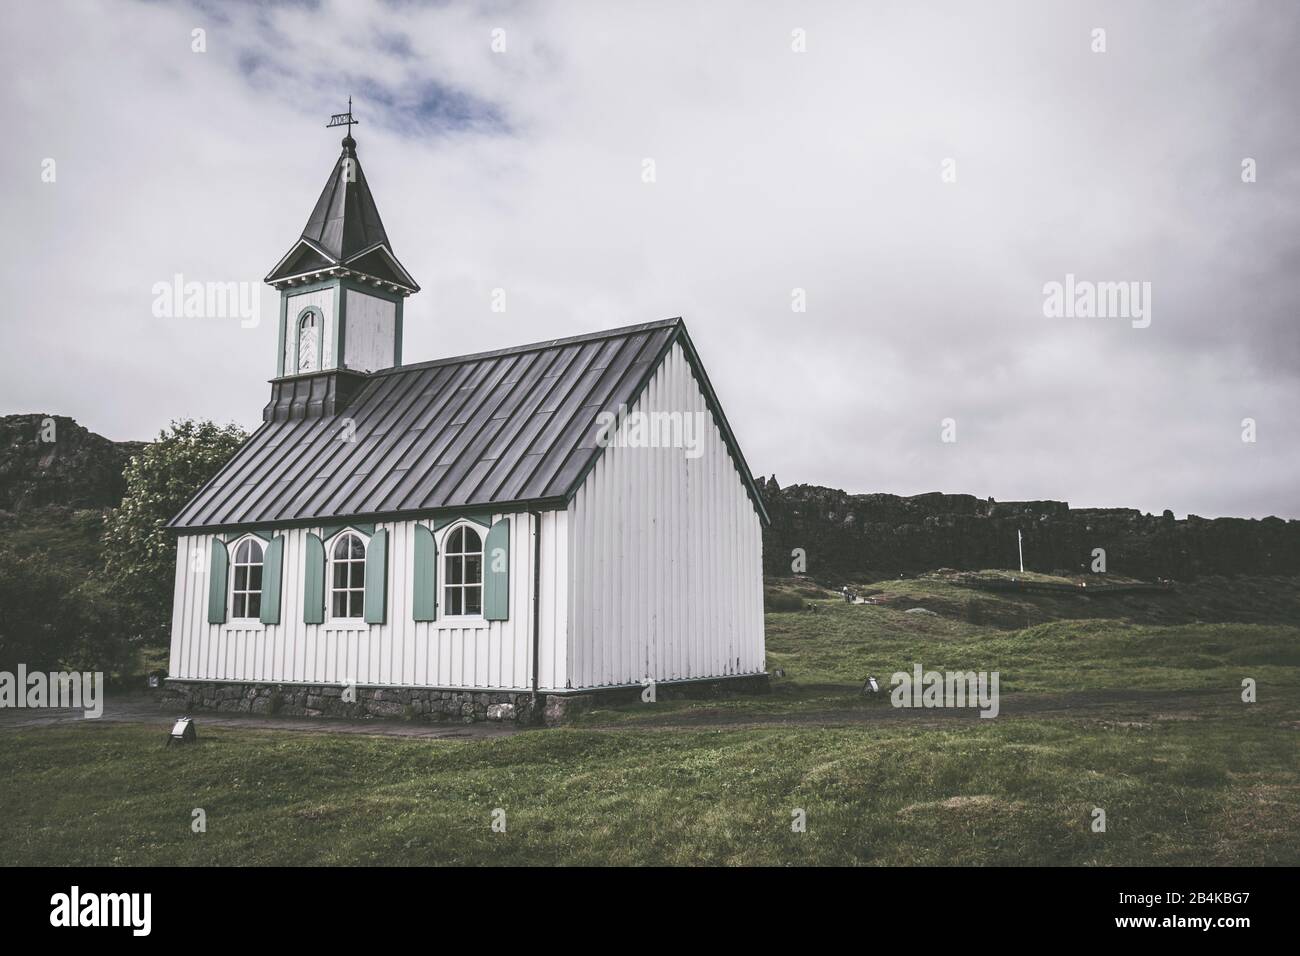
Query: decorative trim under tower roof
[[344, 238]]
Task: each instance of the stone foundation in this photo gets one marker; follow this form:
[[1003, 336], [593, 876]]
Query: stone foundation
[[414, 703], [326, 700]]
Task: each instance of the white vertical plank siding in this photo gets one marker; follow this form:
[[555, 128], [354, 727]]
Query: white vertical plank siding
[[322, 299], [469, 653], [368, 342], [665, 556]]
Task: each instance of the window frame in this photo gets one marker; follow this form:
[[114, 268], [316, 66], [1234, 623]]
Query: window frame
[[235, 592], [444, 583], [318, 322], [359, 618]]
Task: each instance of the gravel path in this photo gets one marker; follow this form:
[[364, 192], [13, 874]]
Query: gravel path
[[146, 709], [1129, 707]]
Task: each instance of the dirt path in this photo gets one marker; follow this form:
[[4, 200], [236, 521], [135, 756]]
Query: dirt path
[[146, 709], [1128, 707]]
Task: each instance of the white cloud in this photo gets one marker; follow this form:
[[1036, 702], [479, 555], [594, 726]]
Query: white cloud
[[775, 170]]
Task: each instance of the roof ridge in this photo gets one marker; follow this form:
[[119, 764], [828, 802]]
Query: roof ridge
[[534, 346]]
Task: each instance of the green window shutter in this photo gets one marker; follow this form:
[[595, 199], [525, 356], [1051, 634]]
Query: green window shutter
[[313, 582], [496, 572], [425, 605], [218, 565], [271, 564], [377, 578]]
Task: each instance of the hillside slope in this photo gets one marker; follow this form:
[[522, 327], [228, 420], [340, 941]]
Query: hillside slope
[[77, 469]]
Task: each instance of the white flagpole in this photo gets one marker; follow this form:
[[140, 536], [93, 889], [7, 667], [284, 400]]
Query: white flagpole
[[1021, 545]]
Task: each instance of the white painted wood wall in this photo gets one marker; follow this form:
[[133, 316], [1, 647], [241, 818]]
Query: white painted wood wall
[[445, 653], [665, 556], [322, 300], [370, 337]]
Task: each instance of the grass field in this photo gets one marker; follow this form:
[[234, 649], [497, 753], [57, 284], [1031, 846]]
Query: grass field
[[1141, 719]]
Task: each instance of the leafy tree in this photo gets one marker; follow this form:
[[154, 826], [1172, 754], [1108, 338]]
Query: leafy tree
[[100, 631], [34, 610], [52, 618], [139, 551]]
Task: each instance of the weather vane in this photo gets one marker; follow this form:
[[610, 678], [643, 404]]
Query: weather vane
[[343, 119]]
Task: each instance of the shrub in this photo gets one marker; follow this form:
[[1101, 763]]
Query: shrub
[[139, 551], [777, 599]]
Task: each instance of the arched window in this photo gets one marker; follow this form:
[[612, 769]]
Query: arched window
[[246, 596], [308, 334], [463, 588], [348, 576]]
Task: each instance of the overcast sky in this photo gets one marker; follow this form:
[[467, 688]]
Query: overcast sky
[[775, 170]]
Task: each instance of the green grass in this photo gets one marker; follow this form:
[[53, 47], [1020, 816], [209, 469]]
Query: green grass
[[1207, 779], [843, 643], [1257, 600], [989, 792], [826, 655]]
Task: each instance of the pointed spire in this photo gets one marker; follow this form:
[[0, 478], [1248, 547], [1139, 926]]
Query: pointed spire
[[345, 220], [344, 232]]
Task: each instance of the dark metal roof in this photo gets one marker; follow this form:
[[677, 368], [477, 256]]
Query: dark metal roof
[[516, 427], [344, 228]]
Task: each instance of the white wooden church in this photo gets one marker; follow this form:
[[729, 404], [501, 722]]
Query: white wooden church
[[532, 520]]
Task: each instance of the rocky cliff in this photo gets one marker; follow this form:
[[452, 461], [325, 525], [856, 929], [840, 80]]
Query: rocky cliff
[[871, 536], [50, 460]]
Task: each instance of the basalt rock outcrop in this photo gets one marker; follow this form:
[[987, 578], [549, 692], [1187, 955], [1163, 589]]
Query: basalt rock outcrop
[[50, 460], [877, 535]]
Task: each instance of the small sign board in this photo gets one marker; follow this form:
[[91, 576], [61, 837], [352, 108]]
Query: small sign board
[[183, 732]]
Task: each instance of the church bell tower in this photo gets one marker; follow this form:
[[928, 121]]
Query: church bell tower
[[341, 293]]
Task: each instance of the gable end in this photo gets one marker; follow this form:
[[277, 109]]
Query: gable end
[[682, 338]]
